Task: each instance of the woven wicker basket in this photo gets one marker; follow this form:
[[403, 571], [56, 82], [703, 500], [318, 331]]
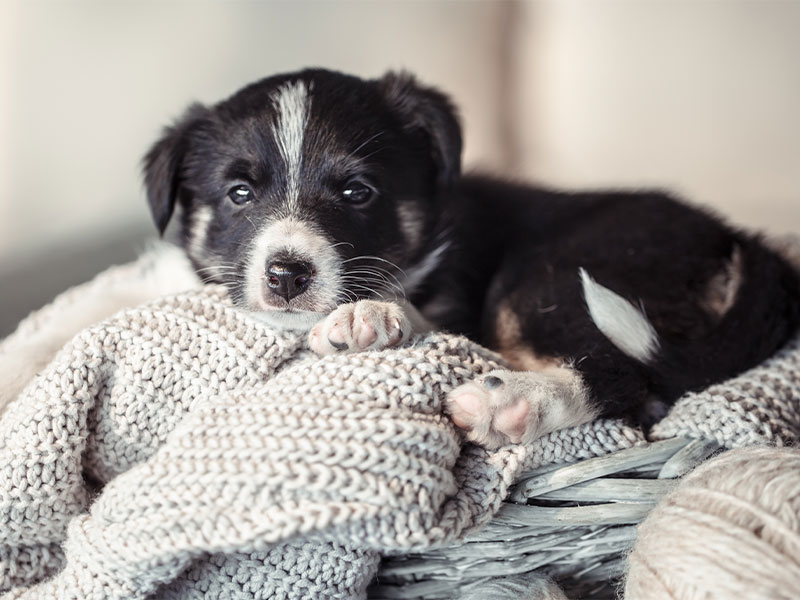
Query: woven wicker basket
[[573, 523]]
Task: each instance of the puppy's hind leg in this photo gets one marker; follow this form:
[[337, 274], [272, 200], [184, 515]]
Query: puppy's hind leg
[[505, 407]]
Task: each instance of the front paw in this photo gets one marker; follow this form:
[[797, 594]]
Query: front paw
[[489, 411], [364, 325], [505, 407]]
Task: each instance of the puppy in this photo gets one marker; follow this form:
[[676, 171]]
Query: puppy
[[333, 204]]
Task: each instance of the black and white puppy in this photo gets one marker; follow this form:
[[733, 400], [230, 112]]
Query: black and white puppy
[[334, 204]]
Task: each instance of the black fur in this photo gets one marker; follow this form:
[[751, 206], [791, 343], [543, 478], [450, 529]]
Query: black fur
[[162, 165], [647, 247], [500, 243], [403, 139]]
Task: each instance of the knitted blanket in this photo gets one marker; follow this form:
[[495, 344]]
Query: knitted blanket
[[182, 449]]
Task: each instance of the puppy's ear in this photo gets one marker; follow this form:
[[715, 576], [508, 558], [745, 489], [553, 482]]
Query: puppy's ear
[[431, 111], [162, 165]]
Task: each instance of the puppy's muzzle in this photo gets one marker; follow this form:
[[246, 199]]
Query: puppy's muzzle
[[289, 279]]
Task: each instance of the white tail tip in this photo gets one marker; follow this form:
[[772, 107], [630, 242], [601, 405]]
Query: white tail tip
[[620, 321]]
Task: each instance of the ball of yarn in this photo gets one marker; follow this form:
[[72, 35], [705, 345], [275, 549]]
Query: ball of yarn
[[730, 529]]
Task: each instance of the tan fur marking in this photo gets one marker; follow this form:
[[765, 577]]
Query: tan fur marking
[[724, 286], [411, 222], [521, 356], [506, 326]]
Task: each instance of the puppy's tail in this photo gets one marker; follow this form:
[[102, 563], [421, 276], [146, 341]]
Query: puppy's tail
[[624, 324], [754, 311]]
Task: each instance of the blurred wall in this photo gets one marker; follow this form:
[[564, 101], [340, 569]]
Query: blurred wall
[[698, 96], [87, 85], [701, 97]]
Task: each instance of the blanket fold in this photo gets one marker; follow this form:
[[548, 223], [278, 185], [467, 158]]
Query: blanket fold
[[182, 449]]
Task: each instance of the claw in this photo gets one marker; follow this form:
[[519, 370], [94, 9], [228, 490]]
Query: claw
[[338, 345], [492, 382], [365, 325]]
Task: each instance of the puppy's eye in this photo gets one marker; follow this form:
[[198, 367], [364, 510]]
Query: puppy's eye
[[357, 192], [240, 194]]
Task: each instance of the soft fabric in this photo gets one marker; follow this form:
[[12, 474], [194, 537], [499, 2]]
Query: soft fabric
[[235, 462], [760, 406], [183, 450]]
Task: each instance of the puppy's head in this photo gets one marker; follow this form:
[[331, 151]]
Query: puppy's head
[[307, 190]]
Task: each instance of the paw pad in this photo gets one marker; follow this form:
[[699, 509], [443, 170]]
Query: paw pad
[[365, 325], [489, 411]]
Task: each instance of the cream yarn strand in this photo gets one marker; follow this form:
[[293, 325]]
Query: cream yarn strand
[[731, 529]]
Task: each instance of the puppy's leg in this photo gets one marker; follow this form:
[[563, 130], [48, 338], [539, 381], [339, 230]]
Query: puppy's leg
[[505, 407], [366, 325]]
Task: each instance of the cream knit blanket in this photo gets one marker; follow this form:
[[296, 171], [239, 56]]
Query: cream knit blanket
[[183, 450]]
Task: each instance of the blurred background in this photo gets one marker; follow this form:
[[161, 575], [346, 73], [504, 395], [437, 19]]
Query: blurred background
[[701, 97]]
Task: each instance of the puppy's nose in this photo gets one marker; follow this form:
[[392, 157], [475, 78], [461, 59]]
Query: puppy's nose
[[288, 279]]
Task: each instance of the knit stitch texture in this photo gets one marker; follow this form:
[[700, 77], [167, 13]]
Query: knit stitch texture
[[184, 450]]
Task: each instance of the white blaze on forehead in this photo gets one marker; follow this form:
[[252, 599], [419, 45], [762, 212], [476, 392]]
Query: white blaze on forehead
[[291, 102]]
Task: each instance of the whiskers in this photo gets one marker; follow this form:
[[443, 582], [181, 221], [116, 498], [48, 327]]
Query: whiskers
[[371, 276], [225, 272], [363, 276], [354, 153]]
